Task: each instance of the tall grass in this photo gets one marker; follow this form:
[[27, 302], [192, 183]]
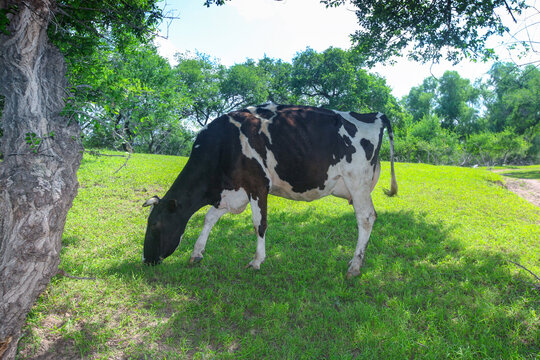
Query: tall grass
[[436, 283]]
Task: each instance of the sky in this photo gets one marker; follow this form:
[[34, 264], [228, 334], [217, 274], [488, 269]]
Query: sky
[[252, 29]]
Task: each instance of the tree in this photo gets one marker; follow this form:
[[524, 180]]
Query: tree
[[455, 99], [215, 89], [420, 101], [277, 76], [243, 85], [426, 28], [41, 146], [131, 99], [335, 79], [515, 98]]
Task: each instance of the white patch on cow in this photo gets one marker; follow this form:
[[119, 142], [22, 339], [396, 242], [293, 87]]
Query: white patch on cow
[[368, 131], [264, 121], [264, 127], [271, 106], [211, 218], [234, 201], [196, 146], [260, 253], [247, 150], [235, 123]]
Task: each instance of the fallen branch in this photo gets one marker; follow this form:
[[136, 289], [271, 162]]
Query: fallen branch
[[530, 272], [97, 153], [125, 162]]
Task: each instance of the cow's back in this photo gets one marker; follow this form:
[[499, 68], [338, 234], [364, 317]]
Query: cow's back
[[299, 150]]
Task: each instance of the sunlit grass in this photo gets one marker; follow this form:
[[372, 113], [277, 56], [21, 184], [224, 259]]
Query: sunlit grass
[[436, 283]]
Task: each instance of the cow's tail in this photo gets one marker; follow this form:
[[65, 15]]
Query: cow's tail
[[393, 183]]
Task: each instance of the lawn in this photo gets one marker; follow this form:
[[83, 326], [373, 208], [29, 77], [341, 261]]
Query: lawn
[[437, 281]]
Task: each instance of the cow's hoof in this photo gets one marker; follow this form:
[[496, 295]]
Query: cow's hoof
[[253, 265], [195, 259], [352, 273]]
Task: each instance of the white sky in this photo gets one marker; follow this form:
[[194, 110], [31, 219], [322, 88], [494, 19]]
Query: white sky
[[244, 29]]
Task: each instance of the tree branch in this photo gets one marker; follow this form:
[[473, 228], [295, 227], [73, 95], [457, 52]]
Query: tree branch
[[510, 11], [530, 272]]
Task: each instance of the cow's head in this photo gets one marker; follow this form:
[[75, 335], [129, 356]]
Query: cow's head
[[164, 230]]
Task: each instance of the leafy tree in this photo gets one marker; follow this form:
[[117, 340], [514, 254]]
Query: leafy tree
[[420, 101], [515, 98], [40, 143], [133, 103], [215, 89], [428, 30], [455, 97], [277, 75], [202, 78], [335, 79], [242, 85]]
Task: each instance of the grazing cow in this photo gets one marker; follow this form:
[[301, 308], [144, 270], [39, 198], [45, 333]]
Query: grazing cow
[[296, 152]]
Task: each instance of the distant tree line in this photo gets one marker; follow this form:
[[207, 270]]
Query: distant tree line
[[132, 99]]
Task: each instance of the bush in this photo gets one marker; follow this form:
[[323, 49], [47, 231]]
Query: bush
[[489, 148], [425, 141]]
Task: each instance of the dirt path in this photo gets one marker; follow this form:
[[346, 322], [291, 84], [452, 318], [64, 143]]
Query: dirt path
[[529, 189]]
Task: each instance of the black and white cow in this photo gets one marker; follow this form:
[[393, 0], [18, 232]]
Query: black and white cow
[[296, 152]]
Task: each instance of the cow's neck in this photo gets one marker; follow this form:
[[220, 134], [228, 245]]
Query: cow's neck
[[190, 190]]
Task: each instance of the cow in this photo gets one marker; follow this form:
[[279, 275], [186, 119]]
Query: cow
[[296, 152]]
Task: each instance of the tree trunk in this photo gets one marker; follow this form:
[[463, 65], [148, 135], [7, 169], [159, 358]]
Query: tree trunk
[[38, 175]]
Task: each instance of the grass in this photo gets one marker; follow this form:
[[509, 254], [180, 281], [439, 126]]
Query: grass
[[436, 283], [522, 172]]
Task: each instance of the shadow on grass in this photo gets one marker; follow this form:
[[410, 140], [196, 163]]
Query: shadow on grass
[[418, 282], [532, 174]]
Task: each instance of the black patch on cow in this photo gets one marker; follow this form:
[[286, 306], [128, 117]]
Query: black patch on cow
[[229, 168], [265, 113], [368, 148], [378, 147], [366, 118], [304, 108], [305, 143], [350, 128]]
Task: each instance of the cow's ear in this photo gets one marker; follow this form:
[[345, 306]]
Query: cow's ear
[[172, 205], [152, 201]]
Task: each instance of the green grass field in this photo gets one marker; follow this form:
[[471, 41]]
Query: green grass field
[[436, 283]]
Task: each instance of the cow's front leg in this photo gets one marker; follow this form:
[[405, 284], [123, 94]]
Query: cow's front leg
[[258, 210], [365, 216], [210, 219]]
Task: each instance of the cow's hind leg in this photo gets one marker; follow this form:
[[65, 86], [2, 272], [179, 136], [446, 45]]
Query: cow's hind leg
[[211, 218], [258, 209], [365, 216]]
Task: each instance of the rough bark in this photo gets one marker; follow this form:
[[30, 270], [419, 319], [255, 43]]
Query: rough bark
[[37, 183]]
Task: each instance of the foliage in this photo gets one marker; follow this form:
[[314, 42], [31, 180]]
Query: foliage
[[436, 282], [420, 101], [452, 98], [216, 89], [491, 148], [428, 30], [426, 141], [277, 75], [129, 99], [507, 131], [335, 79], [138, 99], [515, 99], [80, 27]]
